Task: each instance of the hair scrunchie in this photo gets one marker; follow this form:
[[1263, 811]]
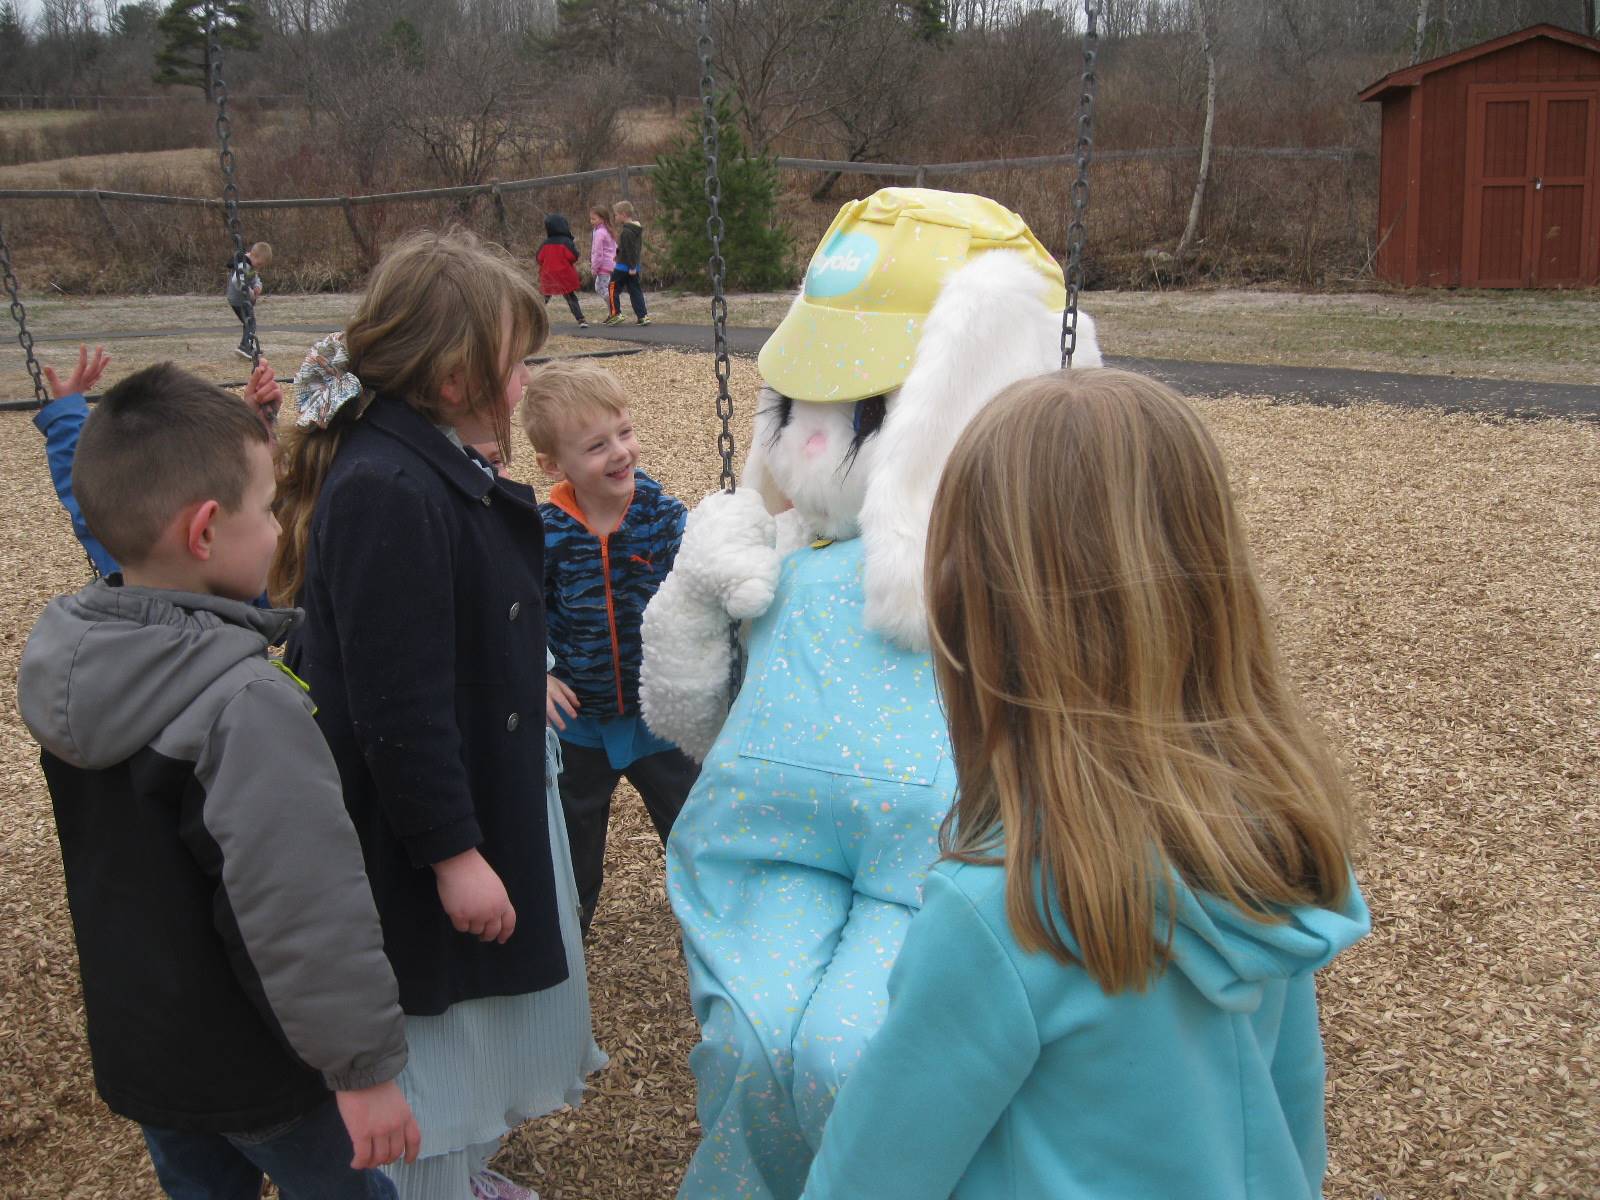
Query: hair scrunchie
[[324, 383]]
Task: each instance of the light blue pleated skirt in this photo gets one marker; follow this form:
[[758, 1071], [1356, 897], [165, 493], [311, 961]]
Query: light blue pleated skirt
[[482, 1067]]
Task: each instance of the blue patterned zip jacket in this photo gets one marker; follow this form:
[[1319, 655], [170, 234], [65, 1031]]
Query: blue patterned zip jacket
[[596, 588]]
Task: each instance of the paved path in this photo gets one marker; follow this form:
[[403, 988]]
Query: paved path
[[1331, 386], [1306, 385]]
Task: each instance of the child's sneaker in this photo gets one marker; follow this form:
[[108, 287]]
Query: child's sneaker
[[243, 352], [645, 320], [615, 319], [491, 1185], [583, 324]]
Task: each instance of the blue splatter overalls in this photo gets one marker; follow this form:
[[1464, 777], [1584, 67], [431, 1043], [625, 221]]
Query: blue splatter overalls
[[795, 868]]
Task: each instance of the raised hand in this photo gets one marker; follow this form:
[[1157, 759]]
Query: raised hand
[[84, 376]]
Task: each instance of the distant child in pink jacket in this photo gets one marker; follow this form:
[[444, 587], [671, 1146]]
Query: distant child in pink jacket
[[602, 249]]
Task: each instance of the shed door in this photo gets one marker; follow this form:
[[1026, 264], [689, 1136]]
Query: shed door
[[1564, 190], [1531, 186]]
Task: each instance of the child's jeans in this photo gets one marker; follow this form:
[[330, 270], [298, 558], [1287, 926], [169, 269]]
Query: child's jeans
[[587, 780], [244, 334], [626, 281], [572, 302], [308, 1158]]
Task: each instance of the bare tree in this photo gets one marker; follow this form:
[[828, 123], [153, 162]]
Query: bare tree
[[585, 115], [1422, 32], [464, 108], [293, 29], [1205, 14], [874, 87], [776, 56]]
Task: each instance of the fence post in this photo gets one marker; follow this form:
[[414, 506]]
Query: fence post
[[622, 182], [499, 210], [922, 176], [362, 246], [105, 215]]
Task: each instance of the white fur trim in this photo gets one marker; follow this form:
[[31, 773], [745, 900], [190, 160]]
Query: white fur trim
[[989, 328], [726, 571]]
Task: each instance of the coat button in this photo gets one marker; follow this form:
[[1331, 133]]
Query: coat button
[[516, 610], [486, 500], [512, 722]]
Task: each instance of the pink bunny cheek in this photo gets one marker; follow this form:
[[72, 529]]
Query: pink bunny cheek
[[815, 445]]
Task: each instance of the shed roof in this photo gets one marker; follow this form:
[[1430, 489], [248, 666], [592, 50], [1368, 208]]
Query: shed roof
[[1408, 77]]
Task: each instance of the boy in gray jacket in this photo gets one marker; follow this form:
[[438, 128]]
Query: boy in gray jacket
[[233, 967]]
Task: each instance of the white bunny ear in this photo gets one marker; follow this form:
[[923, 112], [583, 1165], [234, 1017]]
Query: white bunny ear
[[990, 327]]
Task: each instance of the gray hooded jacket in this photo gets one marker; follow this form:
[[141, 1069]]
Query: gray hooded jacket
[[232, 961]]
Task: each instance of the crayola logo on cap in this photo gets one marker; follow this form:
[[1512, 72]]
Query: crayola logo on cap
[[842, 265]]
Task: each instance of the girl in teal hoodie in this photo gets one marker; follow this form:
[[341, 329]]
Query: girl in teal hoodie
[[1108, 992]]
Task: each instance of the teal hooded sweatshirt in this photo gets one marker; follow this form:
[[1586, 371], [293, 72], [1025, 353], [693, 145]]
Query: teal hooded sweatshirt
[[1002, 1073]]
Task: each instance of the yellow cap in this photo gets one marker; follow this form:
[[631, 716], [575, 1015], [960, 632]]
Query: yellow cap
[[875, 275]]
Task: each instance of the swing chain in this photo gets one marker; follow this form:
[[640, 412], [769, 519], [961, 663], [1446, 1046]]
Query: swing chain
[[20, 315], [1080, 186], [716, 265], [230, 189]]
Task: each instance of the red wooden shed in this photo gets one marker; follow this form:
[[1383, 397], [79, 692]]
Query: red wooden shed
[[1490, 168]]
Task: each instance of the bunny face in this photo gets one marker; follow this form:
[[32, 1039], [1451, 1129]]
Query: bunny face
[[818, 457]]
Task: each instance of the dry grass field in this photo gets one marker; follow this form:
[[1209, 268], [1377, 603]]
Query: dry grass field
[[23, 120], [1436, 582], [176, 172]]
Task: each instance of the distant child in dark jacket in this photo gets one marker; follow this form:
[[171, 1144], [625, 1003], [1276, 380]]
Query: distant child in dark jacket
[[627, 274], [244, 289], [558, 271], [239, 1002], [611, 536]]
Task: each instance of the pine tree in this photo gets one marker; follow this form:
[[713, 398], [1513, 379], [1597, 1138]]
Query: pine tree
[[928, 18], [13, 45], [13, 38], [135, 20], [185, 55], [758, 251]]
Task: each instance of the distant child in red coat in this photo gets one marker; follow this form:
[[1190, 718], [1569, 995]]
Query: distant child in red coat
[[558, 270]]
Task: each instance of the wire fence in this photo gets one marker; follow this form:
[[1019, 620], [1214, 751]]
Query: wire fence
[[43, 102], [1284, 211], [919, 173]]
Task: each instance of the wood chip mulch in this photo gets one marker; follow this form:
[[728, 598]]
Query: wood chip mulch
[[1437, 585]]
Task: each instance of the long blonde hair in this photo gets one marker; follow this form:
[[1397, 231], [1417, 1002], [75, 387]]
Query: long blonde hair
[[435, 304], [1117, 709]]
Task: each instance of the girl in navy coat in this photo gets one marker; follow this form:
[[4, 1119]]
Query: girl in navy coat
[[424, 647]]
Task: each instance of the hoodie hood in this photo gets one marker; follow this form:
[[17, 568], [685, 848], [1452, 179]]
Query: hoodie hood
[[1229, 957], [556, 229], [107, 669]]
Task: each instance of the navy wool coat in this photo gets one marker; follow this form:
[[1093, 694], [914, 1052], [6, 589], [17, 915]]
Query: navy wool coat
[[424, 648]]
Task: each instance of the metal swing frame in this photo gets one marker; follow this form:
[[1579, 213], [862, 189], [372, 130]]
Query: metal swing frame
[[230, 197], [1080, 186], [1076, 231]]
